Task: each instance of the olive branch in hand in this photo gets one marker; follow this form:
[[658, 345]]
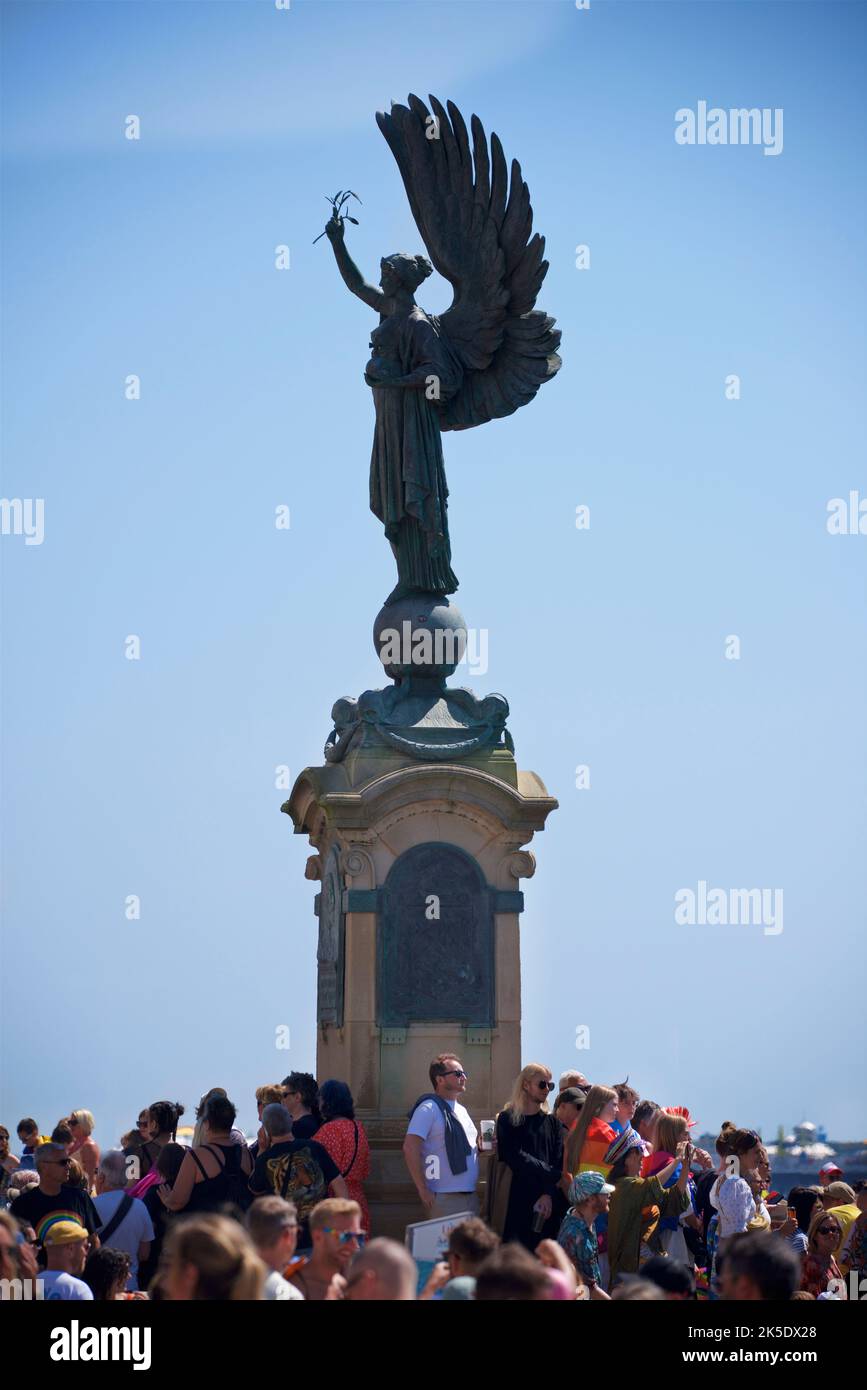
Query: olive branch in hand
[[338, 203]]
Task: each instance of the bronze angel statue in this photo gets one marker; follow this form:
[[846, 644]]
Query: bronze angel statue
[[484, 357]]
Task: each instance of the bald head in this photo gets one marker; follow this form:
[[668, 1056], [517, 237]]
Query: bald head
[[384, 1270]]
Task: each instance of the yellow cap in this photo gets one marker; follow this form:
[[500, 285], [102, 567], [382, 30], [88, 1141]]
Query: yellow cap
[[64, 1233]]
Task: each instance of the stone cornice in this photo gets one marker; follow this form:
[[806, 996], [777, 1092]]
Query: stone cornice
[[318, 793]]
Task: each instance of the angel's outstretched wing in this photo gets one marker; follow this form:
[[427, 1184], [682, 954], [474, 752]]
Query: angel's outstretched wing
[[477, 229]]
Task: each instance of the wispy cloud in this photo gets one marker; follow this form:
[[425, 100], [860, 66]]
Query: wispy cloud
[[256, 77]]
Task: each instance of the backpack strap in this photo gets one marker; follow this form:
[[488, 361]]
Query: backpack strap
[[349, 1165], [198, 1162], [286, 1176], [123, 1206]]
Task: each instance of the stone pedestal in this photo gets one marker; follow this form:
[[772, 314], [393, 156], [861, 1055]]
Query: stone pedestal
[[419, 864]]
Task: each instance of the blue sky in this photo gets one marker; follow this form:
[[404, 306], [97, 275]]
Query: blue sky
[[156, 777]]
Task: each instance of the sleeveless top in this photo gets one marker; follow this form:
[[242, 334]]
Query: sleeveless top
[[229, 1185]]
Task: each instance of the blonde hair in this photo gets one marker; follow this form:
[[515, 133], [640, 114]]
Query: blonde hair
[[597, 1099], [76, 1176], [514, 1106], [86, 1122], [226, 1264], [269, 1095], [818, 1220], [671, 1130], [330, 1210]]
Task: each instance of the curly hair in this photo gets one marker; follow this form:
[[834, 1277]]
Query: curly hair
[[410, 270]]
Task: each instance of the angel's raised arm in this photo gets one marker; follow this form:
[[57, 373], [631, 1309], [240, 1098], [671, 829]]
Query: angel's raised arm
[[352, 276]]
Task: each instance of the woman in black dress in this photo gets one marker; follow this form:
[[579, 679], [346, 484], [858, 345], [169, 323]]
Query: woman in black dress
[[530, 1143]]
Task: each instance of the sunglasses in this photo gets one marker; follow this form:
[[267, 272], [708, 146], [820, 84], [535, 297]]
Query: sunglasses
[[546, 1085], [72, 1123], [455, 1073], [344, 1237], [829, 1231]]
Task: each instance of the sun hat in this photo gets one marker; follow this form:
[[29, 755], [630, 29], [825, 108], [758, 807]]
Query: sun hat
[[842, 1190], [589, 1184]]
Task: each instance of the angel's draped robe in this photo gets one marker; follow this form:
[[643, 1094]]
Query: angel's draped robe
[[408, 489]]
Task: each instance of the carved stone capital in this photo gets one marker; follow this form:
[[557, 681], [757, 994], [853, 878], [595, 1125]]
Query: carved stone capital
[[521, 863], [357, 864]]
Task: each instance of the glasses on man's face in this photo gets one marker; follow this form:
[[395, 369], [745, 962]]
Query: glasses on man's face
[[61, 1162], [546, 1085], [455, 1073], [344, 1237]]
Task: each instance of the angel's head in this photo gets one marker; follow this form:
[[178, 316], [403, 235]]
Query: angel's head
[[402, 271]]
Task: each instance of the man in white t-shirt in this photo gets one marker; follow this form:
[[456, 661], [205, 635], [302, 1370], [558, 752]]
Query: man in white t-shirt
[[134, 1232], [441, 1144], [65, 1245]]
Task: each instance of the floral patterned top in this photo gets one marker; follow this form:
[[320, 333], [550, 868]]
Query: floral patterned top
[[580, 1243], [815, 1276]]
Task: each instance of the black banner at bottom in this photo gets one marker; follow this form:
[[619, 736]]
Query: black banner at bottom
[[218, 1339]]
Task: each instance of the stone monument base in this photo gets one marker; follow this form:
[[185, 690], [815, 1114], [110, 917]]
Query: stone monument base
[[419, 865]]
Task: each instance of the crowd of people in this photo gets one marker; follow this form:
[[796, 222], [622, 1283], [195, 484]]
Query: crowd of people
[[600, 1196]]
